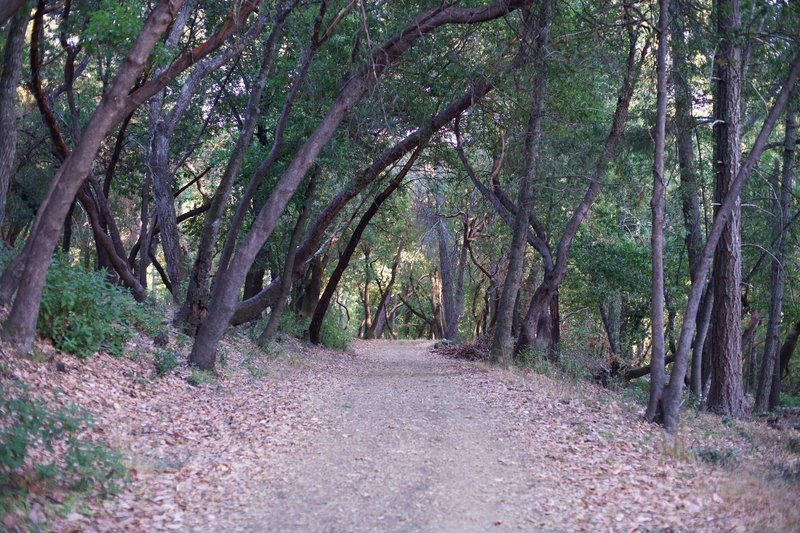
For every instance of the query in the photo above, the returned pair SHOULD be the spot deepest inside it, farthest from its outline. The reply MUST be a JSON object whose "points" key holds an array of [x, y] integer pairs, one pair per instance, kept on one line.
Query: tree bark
{"points": [[727, 394], [229, 281], [782, 202], [9, 8], [657, 203], [9, 79]]}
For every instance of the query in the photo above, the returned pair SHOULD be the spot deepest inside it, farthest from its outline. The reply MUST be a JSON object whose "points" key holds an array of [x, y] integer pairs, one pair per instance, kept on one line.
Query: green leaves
{"points": [[82, 312], [114, 24]]}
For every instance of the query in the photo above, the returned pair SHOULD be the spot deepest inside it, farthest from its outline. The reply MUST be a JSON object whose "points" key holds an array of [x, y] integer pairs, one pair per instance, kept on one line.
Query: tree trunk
{"points": [[787, 350], [379, 322], [446, 270], [9, 79], [247, 310], [657, 203], [543, 294], [194, 307], [228, 282], [288, 265], [727, 394], [535, 41], [20, 327], [782, 202], [9, 8]]}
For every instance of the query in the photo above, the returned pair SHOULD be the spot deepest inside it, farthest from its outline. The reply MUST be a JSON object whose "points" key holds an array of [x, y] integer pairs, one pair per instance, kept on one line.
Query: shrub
{"points": [[82, 312], [28, 423], [291, 324], [166, 361], [333, 336], [715, 456]]}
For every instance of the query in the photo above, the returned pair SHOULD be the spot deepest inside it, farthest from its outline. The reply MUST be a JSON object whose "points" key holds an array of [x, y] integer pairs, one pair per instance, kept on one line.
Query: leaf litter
{"points": [[578, 456]]}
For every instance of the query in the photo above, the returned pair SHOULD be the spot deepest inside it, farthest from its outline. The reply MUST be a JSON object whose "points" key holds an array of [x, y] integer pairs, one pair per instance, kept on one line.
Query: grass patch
{"points": [[166, 361]]}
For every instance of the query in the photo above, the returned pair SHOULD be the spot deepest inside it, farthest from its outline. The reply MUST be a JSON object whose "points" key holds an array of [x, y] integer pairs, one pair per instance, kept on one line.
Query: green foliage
{"points": [[114, 25], [637, 391], [788, 400], [28, 423], [333, 336], [166, 361], [82, 312], [291, 324]]}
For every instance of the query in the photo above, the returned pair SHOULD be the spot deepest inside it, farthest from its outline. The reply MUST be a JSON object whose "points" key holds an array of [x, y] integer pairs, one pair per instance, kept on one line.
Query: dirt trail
{"points": [[404, 448]]}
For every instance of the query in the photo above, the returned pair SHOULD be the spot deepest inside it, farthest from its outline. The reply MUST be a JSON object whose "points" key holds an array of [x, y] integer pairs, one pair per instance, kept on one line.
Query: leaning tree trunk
{"points": [[782, 202], [657, 204], [9, 79], [727, 394], [109, 113], [248, 310]]}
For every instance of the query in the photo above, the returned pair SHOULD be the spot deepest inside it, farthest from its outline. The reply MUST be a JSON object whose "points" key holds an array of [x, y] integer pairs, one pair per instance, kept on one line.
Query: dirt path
{"points": [[392, 437], [404, 448]]}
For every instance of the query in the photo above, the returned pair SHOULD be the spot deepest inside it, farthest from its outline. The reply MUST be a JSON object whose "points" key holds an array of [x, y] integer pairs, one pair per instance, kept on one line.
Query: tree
{"points": [[231, 277], [9, 78], [535, 38], [657, 232], [770, 374], [727, 392]]}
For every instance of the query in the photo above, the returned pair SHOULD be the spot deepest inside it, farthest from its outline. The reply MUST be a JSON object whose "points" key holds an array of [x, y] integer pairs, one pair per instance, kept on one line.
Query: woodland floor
{"points": [[392, 437]]}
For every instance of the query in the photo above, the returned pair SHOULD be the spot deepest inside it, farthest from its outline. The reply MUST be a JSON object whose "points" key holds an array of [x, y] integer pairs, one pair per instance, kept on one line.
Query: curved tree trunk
{"points": [[248, 310], [198, 294], [20, 327], [229, 281]]}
